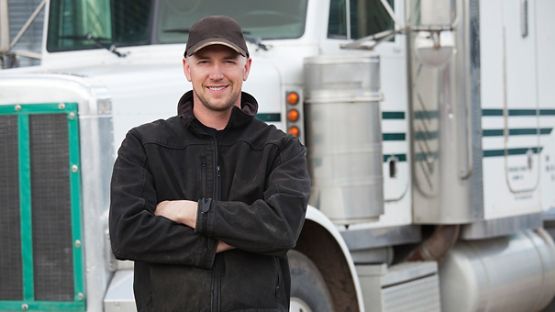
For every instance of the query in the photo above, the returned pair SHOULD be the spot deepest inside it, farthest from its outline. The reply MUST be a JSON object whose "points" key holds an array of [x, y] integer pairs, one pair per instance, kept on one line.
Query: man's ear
{"points": [[186, 69], [247, 69]]}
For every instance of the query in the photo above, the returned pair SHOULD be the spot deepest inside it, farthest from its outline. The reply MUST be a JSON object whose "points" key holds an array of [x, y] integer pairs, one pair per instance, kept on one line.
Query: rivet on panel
{"points": [[80, 296], [24, 307], [77, 244], [74, 168], [61, 106], [17, 108], [71, 115]]}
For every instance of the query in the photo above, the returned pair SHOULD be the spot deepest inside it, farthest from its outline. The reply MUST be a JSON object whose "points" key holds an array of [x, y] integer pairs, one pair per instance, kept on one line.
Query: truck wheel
{"points": [[309, 292]]}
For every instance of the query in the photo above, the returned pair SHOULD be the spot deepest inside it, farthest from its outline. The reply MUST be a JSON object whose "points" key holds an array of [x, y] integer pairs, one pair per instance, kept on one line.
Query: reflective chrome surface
{"points": [[505, 274], [344, 136], [410, 286], [119, 296], [502, 226], [364, 238], [446, 128]]}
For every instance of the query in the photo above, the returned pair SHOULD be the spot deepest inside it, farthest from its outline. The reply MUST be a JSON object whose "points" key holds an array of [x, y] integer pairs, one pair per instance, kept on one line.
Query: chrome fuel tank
{"points": [[344, 136], [505, 274]]}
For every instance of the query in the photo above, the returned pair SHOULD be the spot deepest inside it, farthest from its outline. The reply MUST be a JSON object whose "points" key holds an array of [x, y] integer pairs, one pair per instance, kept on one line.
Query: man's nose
{"points": [[216, 72]]}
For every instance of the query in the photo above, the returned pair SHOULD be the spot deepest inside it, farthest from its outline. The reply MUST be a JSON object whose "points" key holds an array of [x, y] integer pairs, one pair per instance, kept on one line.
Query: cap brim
{"points": [[205, 43]]}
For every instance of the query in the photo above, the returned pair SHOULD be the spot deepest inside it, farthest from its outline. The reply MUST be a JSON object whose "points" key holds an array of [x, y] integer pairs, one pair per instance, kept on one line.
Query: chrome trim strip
{"points": [[501, 227], [360, 239]]}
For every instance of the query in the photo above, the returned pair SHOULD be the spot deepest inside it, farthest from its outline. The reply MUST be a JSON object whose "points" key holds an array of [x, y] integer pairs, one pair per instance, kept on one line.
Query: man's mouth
{"points": [[216, 88]]}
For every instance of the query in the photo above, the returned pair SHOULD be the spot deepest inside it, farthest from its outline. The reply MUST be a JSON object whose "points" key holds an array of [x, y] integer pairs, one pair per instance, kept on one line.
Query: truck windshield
{"points": [[93, 24], [282, 19]]}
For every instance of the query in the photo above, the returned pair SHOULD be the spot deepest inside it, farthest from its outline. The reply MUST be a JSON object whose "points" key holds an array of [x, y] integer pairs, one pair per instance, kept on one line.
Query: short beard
{"points": [[216, 108]]}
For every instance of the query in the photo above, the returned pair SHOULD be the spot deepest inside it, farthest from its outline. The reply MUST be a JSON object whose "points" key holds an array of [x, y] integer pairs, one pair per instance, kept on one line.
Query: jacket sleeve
{"points": [[135, 232], [270, 225]]}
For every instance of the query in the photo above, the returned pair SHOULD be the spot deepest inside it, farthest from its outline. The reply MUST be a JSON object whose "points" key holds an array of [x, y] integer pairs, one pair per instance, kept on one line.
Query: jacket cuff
{"points": [[204, 211]]}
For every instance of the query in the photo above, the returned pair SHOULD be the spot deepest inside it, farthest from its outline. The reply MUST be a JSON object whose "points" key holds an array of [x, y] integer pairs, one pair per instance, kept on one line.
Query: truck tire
{"points": [[309, 292]]}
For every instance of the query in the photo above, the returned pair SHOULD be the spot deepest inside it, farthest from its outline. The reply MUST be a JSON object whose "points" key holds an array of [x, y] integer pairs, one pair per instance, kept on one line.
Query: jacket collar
{"points": [[239, 116]]}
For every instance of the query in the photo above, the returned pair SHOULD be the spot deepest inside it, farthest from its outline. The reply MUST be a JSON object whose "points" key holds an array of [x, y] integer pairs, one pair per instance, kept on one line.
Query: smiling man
{"points": [[207, 203]]}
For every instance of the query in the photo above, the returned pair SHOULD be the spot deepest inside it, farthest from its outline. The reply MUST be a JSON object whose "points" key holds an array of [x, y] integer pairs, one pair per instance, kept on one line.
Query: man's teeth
{"points": [[216, 88]]}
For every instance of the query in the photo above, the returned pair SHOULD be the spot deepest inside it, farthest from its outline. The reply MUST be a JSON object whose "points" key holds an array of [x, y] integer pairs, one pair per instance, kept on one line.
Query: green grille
{"points": [[51, 207], [41, 264], [11, 271]]}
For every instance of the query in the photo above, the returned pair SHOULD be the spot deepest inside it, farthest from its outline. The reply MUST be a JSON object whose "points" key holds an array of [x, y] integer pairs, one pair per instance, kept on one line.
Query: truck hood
{"points": [[143, 92]]}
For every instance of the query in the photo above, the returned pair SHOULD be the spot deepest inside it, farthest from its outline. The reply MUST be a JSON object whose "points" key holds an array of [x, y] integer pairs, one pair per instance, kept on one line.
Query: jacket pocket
{"points": [[250, 281], [279, 278], [180, 288]]}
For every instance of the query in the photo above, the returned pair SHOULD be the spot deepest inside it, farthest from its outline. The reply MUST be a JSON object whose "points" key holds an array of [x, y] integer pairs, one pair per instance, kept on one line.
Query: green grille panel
{"points": [[41, 258], [51, 207], [11, 271]]}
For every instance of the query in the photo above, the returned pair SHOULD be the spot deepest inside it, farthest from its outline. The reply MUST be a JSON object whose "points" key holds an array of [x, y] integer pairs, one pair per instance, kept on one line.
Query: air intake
{"points": [[41, 260]]}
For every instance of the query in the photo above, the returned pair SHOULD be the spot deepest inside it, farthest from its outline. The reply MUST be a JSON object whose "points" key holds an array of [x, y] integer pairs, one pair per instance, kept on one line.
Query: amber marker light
{"points": [[294, 131], [292, 98], [293, 115]]}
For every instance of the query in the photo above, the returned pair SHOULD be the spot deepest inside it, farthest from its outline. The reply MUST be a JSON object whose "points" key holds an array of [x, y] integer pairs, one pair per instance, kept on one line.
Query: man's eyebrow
{"points": [[200, 56], [232, 56]]}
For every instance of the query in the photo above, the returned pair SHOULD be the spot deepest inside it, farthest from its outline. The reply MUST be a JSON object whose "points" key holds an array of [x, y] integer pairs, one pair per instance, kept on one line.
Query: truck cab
{"points": [[458, 138]]}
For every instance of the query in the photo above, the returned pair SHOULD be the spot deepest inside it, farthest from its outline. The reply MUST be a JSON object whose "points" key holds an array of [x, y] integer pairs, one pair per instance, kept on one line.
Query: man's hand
{"points": [[179, 211], [184, 212], [221, 247]]}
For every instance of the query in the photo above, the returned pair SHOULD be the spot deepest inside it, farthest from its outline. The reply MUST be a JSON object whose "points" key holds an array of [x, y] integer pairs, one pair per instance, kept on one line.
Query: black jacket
{"points": [[252, 186]]}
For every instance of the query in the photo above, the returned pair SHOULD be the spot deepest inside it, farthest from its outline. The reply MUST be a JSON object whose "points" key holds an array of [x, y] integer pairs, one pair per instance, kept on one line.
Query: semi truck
{"points": [[428, 123]]}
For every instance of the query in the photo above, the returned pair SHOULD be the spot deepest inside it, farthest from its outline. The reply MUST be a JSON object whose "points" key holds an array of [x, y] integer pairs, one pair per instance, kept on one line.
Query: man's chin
{"points": [[220, 107]]}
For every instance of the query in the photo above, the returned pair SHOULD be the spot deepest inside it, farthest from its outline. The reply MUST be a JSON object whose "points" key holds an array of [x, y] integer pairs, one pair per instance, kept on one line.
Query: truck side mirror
{"points": [[433, 21]]}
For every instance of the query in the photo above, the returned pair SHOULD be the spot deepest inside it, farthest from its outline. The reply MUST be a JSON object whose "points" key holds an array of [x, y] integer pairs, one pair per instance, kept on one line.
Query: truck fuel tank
{"points": [[514, 273], [344, 136]]}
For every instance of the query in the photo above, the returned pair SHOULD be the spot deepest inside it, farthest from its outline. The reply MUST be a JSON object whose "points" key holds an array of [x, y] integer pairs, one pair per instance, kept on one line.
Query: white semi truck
{"points": [[429, 125]]}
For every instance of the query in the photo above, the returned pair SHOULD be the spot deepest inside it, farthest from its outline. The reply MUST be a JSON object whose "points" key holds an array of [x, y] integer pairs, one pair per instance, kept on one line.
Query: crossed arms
{"points": [[191, 233]]}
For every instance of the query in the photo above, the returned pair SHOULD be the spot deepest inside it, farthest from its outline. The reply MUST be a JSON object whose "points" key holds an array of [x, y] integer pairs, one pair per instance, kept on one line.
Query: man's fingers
{"points": [[160, 208]]}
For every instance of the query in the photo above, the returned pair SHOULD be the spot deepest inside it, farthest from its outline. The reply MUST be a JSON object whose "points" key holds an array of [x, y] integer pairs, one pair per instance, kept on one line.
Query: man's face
{"points": [[217, 74]]}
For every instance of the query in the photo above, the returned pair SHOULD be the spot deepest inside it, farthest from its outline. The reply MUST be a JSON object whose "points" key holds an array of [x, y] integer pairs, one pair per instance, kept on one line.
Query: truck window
{"points": [[337, 22], [365, 18], [90, 24], [284, 19], [369, 17]]}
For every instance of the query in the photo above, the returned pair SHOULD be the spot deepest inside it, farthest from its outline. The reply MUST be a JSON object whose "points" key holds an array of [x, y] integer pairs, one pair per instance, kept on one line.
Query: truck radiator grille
{"points": [[51, 207], [10, 243], [41, 265]]}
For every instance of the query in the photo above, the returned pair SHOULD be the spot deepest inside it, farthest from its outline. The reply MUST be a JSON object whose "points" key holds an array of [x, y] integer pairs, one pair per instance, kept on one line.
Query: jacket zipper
{"points": [[217, 192], [216, 280], [203, 166]]}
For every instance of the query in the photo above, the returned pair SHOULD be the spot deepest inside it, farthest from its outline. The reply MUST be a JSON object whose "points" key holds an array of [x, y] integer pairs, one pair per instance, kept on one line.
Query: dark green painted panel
{"points": [[511, 151], [522, 131], [393, 115], [519, 112], [394, 136], [400, 157], [269, 117]]}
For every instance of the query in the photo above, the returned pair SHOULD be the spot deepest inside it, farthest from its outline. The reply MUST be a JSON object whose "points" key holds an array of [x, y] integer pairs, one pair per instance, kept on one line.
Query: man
{"points": [[207, 203]]}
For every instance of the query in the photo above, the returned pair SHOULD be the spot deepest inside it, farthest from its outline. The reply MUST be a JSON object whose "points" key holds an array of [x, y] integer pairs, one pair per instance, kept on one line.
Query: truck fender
{"points": [[322, 243]]}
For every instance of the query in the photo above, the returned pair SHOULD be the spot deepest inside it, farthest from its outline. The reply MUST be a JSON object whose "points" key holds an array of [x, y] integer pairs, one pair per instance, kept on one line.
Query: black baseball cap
{"points": [[218, 29]]}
